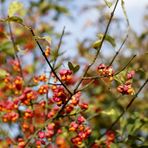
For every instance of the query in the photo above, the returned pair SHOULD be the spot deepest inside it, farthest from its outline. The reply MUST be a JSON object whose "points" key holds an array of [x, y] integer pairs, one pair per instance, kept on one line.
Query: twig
{"points": [[126, 65], [48, 62], [59, 45], [85, 86], [54, 83], [97, 77], [118, 50], [15, 53]]}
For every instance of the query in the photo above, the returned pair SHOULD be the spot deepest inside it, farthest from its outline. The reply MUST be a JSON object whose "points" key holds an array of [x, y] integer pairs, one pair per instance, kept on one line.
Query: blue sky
{"points": [[135, 10]]}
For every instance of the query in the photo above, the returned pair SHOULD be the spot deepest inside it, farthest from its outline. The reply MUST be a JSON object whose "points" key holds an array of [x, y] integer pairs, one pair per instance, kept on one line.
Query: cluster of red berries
{"points": [[43, 89], [14, 84], [75, 103], [66, 76], [82, 131], [40, 78], [15, 65], [10, 117], [48, 134], [105, 71], [9, 110], [27, 96], [7, 105], [59, 95], [110, 137], [126, 88]]}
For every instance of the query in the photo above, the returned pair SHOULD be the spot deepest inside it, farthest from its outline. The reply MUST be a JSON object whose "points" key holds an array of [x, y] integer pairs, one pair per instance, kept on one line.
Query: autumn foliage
{"points": [[50, 99]]}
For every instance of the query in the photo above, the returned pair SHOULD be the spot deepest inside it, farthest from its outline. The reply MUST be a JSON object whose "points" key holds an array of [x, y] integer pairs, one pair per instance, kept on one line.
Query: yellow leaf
{"points": [[110, 112], [16, 8]]}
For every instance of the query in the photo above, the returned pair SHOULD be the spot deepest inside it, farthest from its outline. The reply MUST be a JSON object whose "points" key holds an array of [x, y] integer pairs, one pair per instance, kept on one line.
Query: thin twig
{"points": [[118, 50], [126, 65], [97, 77], [59, 45], [15, 53], [86, 86], [54, 83]]}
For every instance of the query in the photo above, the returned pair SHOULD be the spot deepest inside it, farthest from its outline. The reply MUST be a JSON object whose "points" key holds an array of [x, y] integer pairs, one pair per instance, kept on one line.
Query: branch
{"points": [[126, 108], [118, 50], [97, 77], [15, 53], [89, 66], [48, 62], [59, 45], [126, 65], [98, 51]]}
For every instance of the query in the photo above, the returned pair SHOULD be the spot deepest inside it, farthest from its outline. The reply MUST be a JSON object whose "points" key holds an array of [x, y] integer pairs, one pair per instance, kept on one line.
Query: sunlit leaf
{"points": [[108, 38], [124, 11], [5, 46], [96, 44], [16, 8], [3, 73], [113, 145], [109, 112], [121, 77], [109, 4], [15, 19], [46, 38]]}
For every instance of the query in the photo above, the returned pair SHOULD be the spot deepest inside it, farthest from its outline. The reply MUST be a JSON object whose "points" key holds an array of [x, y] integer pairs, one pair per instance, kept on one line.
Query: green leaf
{"points": [[70, 65], [14, 19], [111, 40], [109, 112], [46, 38], [5, 46], [96, 44], [109, 4], [73, 68], [124, 11], [76, 68], [108, 38], [113, 145], [3, 73], [121, 77]]}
